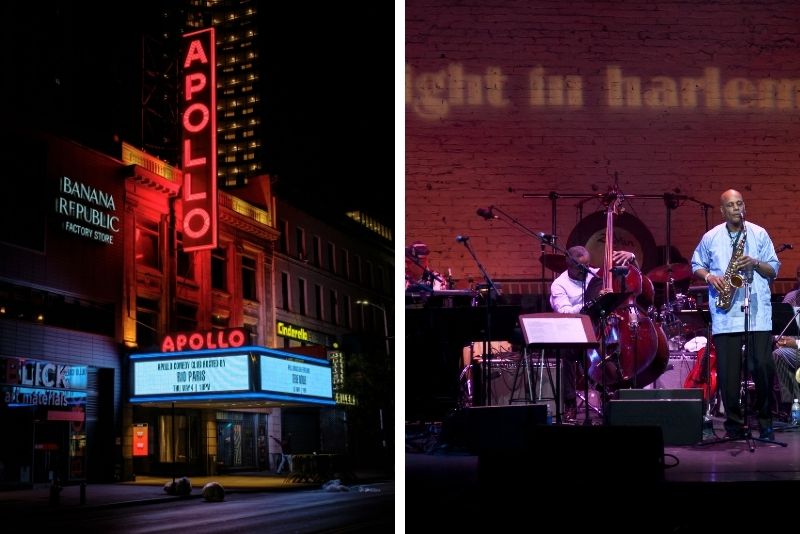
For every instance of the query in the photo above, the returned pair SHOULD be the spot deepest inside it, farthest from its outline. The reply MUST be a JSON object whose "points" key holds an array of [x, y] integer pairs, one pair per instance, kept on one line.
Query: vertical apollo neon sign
{"points": [[199, 126]]}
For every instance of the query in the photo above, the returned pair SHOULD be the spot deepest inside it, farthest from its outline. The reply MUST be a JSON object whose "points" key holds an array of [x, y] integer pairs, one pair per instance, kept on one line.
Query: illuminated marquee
{"points": [[198, 374], [199, 126], [298, 376], [247, 374], [216, 339]]}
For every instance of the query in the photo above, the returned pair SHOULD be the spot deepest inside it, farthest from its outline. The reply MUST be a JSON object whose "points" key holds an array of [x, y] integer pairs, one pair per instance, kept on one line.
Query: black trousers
{"points": [[760, 368]]}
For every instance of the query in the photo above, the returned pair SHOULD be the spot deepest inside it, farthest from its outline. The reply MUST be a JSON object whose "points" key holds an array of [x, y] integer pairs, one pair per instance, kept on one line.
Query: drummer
{"points": [[419, 275]]}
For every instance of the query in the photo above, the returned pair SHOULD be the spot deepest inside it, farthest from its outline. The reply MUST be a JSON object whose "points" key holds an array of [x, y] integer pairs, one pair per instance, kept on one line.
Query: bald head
{"points": [[581, 256], [577, 251], [731, 205], [731, 195]]}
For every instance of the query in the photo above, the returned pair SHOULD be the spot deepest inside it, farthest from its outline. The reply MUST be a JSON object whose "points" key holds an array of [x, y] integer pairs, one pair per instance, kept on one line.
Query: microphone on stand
{"points": [[487, 213], [462, 238], [546, 237]]}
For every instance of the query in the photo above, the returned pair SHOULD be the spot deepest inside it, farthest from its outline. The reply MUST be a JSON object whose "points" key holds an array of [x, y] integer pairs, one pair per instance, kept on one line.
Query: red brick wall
{"points": [[508, 98]]}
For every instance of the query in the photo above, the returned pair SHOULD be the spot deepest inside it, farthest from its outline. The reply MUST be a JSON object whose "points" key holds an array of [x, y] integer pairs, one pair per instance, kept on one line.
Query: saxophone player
{"points": [[734, 253]]}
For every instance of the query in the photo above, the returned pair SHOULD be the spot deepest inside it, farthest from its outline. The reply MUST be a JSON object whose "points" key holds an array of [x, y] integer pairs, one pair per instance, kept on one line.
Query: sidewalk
{"points": [[151, 490]]}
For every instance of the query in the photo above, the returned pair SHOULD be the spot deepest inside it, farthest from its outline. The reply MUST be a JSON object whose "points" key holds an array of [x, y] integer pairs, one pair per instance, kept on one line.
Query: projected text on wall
{"points": [[436, 94]]}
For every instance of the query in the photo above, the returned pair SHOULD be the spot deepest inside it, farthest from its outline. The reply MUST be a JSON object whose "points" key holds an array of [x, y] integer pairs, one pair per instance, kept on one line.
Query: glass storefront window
{"points": [[173, 439]]}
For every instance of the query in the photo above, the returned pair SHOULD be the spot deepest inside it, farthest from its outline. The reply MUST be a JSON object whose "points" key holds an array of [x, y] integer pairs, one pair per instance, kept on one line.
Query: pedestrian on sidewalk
{"points": [[285, 445]]}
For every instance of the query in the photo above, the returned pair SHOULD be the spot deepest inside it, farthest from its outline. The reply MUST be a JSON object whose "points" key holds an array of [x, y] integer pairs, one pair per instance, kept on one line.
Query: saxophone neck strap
{"points": [[735, 239]]}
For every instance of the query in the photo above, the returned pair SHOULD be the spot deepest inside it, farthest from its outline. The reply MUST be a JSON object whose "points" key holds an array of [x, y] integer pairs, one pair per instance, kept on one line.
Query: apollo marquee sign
{"points": [[199, 127], [246, 373]]}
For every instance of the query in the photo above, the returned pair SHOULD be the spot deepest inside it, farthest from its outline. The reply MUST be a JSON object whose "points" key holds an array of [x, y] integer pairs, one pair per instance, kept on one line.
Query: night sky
{"points": [[329, 97]]}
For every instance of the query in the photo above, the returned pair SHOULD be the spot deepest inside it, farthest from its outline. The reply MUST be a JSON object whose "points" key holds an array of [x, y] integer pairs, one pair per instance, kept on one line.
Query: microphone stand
{"points": [[747, 345], [549, 240], [704, 206], [486, 370]]}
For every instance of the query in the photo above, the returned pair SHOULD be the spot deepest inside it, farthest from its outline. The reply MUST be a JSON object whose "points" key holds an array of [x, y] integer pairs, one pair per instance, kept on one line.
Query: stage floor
{"points": [[720, 484]]}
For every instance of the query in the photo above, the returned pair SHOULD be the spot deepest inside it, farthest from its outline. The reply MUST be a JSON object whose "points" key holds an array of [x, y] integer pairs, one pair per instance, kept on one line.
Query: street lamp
{"points": [[385, 321]]}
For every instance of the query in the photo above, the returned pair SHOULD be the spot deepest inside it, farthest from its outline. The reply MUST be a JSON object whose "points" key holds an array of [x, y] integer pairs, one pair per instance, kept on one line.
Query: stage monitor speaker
{"points": [[681, 420], [651, 394], [612, 456]]}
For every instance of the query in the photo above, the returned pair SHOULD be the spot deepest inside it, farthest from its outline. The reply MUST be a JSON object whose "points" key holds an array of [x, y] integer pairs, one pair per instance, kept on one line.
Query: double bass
{"points": [[631, 340]]}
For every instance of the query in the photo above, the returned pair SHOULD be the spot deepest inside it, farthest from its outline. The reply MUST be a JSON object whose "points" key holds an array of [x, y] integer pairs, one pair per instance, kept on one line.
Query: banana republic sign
{"points": [[88, 212]]}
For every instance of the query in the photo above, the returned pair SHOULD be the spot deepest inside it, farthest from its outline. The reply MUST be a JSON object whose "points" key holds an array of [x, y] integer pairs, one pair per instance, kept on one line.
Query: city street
{"points": [[364, 508]]}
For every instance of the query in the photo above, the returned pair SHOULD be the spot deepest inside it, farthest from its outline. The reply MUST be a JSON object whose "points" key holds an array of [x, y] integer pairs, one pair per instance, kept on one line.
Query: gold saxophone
{"points": [[733, 280]]}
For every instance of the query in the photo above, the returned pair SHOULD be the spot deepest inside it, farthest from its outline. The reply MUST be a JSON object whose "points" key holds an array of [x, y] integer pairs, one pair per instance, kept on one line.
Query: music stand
{"points": [[785, 320], [557, 331]]}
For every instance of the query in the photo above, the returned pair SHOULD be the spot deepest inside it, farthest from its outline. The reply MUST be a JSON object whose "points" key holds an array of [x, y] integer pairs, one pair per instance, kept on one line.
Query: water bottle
{"points": [[550, 413], [796, 412]]}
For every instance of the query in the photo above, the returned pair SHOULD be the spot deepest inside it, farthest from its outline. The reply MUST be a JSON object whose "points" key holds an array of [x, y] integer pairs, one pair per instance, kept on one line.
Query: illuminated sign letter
{"points": [[194, 84], [199, 127], [217, 339]]}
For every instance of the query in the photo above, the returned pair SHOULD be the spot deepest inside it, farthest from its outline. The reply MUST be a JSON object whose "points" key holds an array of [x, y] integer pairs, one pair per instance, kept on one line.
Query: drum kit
{"points": [[680, 317]]}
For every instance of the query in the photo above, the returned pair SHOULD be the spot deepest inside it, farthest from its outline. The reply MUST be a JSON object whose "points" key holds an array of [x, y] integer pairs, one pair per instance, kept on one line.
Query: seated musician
{"points": [[419, 275], [567, 296], [787, 358]]}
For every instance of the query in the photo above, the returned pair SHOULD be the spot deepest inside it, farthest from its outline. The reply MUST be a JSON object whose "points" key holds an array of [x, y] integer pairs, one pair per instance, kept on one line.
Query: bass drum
{"points": [[630, 234]]}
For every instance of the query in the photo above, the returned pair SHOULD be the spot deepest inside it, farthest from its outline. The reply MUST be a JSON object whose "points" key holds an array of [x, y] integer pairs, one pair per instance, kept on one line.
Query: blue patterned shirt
{"points": [[713, 253]]}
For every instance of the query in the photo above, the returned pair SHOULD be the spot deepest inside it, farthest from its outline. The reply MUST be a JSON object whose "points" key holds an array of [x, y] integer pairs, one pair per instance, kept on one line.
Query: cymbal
{"points": [[554, 262], [680, 272]]}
